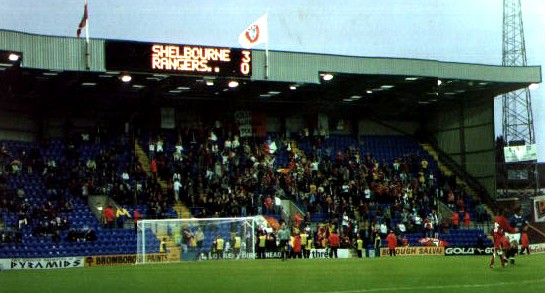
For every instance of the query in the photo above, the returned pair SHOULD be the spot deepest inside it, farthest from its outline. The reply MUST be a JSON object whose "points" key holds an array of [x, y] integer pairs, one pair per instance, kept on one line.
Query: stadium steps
{"points": [[181, 210], [143, 158], [174, 251], [433, 153], [445, 170]]}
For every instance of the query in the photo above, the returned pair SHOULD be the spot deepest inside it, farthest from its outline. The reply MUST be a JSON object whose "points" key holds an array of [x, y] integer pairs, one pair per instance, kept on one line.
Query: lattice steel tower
{"points": [[518, 121]]}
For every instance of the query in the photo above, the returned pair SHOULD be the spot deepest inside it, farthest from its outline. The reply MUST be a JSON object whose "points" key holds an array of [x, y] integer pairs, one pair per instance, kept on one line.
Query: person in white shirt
{"points": [[176, 157], [159, 145], [367, 193], [176, 176], [178, 150], [213, 137], [151, 148], [272, 147], [227, 144], [383, 229], [215, 148], [314, 167], [177, 186], [125, 176], [235, 143]]}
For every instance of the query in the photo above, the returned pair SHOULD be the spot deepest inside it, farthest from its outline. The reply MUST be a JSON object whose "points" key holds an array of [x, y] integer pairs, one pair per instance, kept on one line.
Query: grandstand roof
{"points": [[55, 67]]}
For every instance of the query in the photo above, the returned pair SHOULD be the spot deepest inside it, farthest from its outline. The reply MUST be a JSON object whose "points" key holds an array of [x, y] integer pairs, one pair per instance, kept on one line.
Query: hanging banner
{"points": [[539, 208], [323, 125], [522, 153], [244, 121], [537, 248], [517, 174]]}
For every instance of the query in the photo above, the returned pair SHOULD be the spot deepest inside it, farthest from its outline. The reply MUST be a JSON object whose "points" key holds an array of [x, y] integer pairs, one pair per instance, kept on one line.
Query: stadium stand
{"points": [[372, 180]]}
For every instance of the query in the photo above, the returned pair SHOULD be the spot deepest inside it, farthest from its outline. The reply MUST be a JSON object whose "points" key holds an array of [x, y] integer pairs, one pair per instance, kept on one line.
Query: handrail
{"points": [[290, 209], [460, 172], [444, 212]]}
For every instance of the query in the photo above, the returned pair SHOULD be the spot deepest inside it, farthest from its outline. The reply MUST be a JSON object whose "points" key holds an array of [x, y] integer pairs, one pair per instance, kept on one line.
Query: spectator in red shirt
{"points": [[467, 220], [109, 215], [333, 244], [392, 243], [296, 245], [153, 167], [455, 220], [137, 216]]}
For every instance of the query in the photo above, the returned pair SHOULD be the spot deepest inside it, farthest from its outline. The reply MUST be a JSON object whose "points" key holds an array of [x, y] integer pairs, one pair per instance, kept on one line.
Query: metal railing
{"points": [[459, 171]]}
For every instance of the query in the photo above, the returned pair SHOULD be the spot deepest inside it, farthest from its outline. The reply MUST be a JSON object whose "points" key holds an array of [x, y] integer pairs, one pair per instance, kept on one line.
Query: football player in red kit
{"points": [[501, 225]]}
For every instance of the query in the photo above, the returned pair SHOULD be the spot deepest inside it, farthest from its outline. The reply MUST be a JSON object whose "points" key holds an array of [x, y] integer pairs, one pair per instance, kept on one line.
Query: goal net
{"points": [[175, 240]]}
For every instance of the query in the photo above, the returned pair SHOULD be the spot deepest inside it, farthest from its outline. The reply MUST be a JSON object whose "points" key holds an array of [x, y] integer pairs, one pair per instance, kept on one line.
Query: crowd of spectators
{"points": [[223, 175], [81, 235], [219, 174], [58, 172], [40, 220]]}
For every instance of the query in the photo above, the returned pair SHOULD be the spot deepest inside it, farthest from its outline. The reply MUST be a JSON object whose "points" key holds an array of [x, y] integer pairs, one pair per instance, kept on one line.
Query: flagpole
{"points": [[87, 55], [267, 60], [267, 49]]}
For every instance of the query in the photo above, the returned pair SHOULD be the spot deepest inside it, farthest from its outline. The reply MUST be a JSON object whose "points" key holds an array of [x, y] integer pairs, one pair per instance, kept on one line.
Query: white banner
{"points": [[323, 125], [523, 153], [244, 121], [539, 208], [537, 248], [45, 263], [5, 264], [325, 253], [314, 254], [245, 130], [517, 174]]}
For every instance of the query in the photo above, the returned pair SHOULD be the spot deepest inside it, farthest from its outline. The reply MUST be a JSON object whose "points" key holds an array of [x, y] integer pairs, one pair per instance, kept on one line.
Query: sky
{"points": [[468, 31]]}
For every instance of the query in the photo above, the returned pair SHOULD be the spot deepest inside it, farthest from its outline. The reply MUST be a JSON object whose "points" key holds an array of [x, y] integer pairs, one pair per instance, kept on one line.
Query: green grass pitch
{"points": [[384, 274]]}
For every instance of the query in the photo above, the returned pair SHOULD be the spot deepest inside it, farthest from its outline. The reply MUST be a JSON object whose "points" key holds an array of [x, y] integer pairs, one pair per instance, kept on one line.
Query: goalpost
{"points": [[175, 240]]}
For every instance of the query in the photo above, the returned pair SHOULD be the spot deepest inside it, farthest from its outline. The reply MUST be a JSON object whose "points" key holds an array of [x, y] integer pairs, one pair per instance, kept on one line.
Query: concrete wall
{"points": [[16, 124], [465, 131]]}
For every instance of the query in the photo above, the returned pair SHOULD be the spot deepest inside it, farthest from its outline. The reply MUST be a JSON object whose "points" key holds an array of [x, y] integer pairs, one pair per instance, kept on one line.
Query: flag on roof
{"points": [[83, 21], [255, 34]]}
